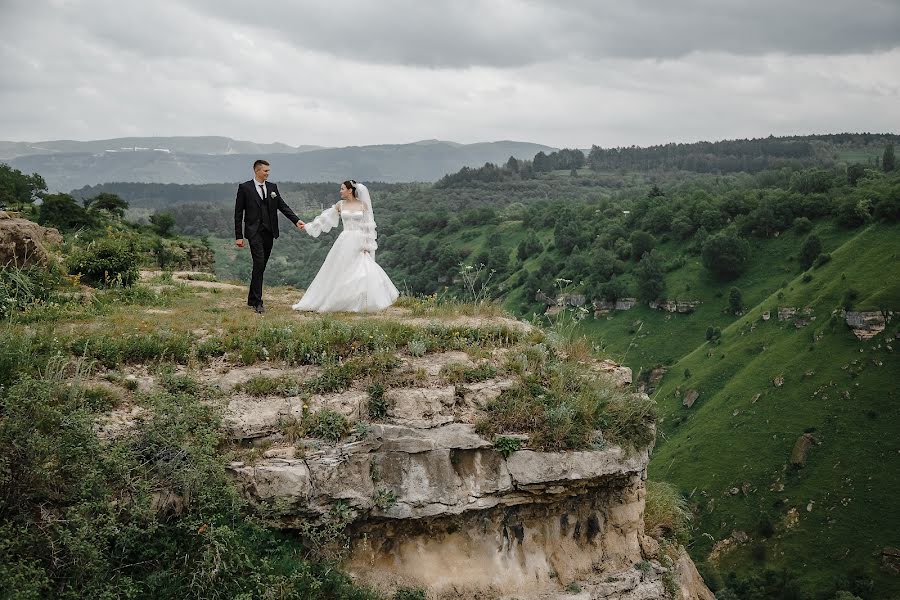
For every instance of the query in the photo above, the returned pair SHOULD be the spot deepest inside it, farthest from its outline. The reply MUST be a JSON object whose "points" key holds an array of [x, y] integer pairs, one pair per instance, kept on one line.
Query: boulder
{"points": [[801, 446], [865, 325], [690, 397], [24, 243]]}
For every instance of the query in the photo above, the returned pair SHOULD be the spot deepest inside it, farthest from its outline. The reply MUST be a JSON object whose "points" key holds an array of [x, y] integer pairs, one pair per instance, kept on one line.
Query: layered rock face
{"points": [[428, 502]]}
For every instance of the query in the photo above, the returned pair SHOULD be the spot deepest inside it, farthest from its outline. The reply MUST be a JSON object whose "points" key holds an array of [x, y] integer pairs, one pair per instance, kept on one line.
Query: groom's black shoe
{"points": [[259, 308]]}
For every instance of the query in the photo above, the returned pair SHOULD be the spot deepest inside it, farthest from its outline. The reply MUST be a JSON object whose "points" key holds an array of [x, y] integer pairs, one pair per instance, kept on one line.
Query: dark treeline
{"points": [[728, 156]]}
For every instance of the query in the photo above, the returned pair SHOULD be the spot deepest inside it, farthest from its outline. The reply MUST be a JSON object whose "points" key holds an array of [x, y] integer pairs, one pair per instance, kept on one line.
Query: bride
{"points": [[349, 279]]}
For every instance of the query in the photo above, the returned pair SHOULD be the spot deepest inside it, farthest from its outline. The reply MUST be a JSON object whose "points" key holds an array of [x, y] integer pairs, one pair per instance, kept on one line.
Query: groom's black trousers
{"points": [[260, 249]]}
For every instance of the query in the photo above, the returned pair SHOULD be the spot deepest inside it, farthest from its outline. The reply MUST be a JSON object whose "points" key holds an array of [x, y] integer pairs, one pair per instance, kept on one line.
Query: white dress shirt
{"points": [[261, 193]]}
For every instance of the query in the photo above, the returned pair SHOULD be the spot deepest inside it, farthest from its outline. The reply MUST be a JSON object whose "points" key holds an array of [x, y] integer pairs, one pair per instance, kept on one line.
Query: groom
{"points": [[257, 205]]}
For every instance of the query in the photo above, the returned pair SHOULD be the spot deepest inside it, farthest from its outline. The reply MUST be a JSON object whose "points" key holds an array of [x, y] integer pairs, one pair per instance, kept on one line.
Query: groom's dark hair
{"points": [[260, 162]]}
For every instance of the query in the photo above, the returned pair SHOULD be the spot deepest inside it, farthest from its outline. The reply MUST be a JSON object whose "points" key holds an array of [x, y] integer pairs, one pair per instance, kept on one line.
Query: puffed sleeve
{"points": [[324, 222]]}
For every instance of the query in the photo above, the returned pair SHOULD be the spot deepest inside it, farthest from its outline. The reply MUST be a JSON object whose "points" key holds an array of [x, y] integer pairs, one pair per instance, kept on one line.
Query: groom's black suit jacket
{"points": [[248, 210]]}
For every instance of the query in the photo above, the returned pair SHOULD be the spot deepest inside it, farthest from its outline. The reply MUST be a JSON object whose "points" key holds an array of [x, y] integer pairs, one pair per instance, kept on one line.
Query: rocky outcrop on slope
{"points": [[428, 501], [24, 243]]}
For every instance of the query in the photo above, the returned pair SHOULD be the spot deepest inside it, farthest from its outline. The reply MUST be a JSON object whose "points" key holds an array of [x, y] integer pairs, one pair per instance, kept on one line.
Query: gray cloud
{"points": [[519, 32], [346, 73]]}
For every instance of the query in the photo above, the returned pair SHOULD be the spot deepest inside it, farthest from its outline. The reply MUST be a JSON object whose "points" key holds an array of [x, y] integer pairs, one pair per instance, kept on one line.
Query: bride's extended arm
{"points": [[324, 222]]}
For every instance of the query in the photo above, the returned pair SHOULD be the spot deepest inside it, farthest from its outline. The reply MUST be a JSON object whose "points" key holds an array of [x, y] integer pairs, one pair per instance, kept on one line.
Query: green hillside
{"points": [[841, 390]]}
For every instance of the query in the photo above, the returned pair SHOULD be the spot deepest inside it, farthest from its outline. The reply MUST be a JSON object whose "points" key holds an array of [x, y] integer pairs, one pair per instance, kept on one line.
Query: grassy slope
{"points": [[664, 338], [841, 389]]}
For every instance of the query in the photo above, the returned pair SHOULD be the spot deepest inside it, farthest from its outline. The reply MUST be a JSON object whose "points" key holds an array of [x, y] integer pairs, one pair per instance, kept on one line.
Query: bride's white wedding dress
{"points": [[349, 279]]}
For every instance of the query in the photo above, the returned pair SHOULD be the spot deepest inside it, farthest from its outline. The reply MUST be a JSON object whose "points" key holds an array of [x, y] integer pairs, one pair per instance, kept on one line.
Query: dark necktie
{"points": [[262, 191]]}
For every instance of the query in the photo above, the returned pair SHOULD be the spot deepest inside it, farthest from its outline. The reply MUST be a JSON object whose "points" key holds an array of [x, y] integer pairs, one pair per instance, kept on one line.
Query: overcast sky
{"points": [[344, 72]]}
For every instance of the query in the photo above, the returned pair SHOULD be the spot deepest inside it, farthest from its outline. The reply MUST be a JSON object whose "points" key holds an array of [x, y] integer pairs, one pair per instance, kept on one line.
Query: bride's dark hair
{"points": [[351, 185]]}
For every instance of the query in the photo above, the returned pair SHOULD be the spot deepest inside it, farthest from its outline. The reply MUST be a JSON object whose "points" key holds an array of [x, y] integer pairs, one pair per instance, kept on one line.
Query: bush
{"points": [[507, 445], [802, 225], [105, 262], [725, 255], [888, 209], [821, 260], [735, 301], [810, 250], [377, 403], [83, 519], [21, 289], [327, 424], [666, 514], [649, 273], [713, 333]]}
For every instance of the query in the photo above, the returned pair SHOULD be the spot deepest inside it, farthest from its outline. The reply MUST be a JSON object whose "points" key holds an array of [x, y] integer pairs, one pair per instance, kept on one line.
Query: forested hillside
{"points": [[731, 296]]}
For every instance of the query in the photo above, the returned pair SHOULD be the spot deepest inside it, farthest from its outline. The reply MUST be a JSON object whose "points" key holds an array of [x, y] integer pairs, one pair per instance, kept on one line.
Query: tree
{"points": [[811, 248], [735, 301], [888, 162], [725, 255], [63, 212], [649, 273], [111, 203], [530, 246], [18, 188], [162, 223], [855, 172], [641, 243]]}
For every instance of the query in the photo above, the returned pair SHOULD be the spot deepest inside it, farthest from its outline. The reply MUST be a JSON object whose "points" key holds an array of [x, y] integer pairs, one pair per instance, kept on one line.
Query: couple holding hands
{"points": [[349, 279]]}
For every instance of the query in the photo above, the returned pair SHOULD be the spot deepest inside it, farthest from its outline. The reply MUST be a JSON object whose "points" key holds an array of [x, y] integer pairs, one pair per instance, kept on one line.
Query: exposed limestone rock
{"points": [[890, 560], [463, 520], [676, 306], [572, 300], [785, 313], [23, 243], [865, 325], [801, 446], [619, 375], [690, 397], [421, 407], [603, 306], [766, 315]]}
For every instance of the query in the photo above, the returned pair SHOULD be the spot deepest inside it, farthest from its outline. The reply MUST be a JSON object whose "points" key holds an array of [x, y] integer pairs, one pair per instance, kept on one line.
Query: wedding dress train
{"points": [[349, 279]]}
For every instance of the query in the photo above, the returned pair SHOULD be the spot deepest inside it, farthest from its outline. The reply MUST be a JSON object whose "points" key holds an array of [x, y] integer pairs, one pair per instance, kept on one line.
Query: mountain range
{"points": [[67, 164]]}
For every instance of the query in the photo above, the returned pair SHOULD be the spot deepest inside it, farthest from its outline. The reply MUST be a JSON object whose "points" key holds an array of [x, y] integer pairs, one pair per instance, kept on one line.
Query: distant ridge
{"points": [[67, 165], [183, 144]]}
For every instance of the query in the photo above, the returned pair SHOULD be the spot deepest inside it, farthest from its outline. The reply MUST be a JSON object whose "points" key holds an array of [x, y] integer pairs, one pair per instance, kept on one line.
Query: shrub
{"points": [[809, 250], [735, 301], [105, 262], [21, 289], [725, 255], [821, 260], [384, 498], [507, 445], [406, 593], [807, 277], [109, 536], [666, 514], [713, 333], [802, 225], [377, 403], [327, 424], [416, 348], [460, 373]]}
